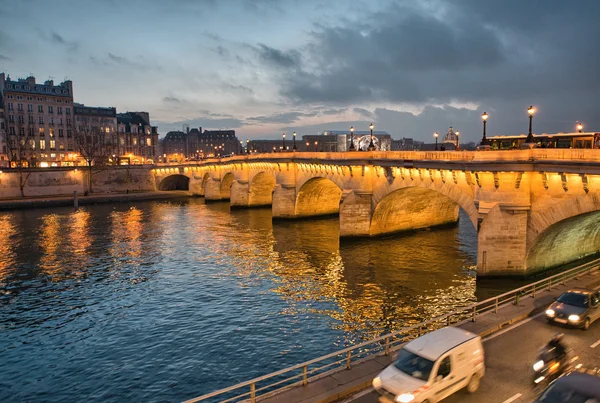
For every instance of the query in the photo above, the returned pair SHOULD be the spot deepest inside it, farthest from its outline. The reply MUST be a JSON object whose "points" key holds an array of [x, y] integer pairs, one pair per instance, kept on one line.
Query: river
{"points": [[164, 301]]}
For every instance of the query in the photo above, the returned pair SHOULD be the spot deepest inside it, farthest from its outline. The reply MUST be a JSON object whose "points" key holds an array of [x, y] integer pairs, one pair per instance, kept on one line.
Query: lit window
{"points": [[149, 142], [52, 145], [42, 144]]}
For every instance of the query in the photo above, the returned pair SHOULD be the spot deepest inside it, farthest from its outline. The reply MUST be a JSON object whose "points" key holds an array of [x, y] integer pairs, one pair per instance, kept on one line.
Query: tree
{"points": [[93, 144], [20, 144]]}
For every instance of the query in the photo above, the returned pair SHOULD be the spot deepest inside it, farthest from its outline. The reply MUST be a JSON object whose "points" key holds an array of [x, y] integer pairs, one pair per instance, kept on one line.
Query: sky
{"points": [[264, 67]]}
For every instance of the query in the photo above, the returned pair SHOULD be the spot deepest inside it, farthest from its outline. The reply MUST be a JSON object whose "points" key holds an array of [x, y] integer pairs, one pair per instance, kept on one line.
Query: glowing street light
{"points": [[530, 111], [315, 146], [283, 144], [484, 117], [371, 145], [436, 136], [457, 142], [579, 127], [307, 145], [294, 148], [352, 148]]}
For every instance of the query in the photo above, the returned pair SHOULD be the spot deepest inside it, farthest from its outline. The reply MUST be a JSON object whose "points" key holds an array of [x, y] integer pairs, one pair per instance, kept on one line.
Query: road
{"points": [[509, 357]]}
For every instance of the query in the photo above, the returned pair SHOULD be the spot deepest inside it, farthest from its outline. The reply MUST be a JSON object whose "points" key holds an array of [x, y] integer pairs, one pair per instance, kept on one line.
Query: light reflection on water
{"points": [[168, 300]]}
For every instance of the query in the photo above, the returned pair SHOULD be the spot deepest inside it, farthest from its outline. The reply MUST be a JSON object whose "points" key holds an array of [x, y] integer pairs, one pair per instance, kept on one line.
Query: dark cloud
{"points": [[4, 58], [500, 55], [173, 100], [238, 88], [284, 118], [279, 58], [221, 51], [365, 113], [139, 63], [331, 111], [59, 40]]}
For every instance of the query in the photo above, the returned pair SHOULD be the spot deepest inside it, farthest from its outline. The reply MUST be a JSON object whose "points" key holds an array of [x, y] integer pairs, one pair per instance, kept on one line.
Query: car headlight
{"points": [[573, 318], [377, 383], [538, 365], [405, 398], [550, 312]]}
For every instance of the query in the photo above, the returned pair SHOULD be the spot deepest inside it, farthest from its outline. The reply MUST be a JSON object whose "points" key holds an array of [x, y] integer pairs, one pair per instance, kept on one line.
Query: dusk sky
{"points": [[263, 67]]}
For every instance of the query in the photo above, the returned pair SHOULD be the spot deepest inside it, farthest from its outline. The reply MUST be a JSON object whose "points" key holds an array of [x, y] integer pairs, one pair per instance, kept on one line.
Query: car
{"points": [[433, 367], [574, 387], [578, 307]]}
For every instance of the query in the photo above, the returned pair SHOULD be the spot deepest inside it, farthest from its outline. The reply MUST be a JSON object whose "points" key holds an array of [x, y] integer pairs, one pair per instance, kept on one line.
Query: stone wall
{"points": [[64, 181]]}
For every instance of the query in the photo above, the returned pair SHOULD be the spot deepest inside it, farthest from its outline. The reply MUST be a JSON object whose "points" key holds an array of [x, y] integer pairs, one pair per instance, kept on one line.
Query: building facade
{"points": [[3, 146], [136, 139], [39, 122], [95, 133], [195, 144]]}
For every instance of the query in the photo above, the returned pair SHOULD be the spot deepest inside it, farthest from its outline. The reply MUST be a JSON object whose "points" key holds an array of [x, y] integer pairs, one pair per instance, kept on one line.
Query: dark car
{"points": [[577, 307], [575, 387]]}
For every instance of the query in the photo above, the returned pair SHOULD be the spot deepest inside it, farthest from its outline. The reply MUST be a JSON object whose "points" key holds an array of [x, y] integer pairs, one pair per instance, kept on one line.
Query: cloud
{"points": [[140, 63], [221, 51], [4, 58], [283, 118], [60, 40], [364, 113], [278, 58], [174, 100]]}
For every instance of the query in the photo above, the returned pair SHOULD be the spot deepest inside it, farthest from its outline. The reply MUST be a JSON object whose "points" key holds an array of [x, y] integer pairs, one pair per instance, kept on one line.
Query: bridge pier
{"points": [[239, 194], [355, 213], [212, 189], [284, 201]]}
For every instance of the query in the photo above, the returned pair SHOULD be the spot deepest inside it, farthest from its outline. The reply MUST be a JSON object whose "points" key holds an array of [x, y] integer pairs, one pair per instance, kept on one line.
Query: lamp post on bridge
{"points": [[579, 127], [283, 144], [530, 111], [484, 117], [457, 141], [371, 145], [316, 146], [294, 148], [307, 146], [436, 136], [352, 148]]}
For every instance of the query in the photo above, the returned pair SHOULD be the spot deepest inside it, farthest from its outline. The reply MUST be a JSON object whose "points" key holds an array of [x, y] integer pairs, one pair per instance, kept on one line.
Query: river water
{"points": [[164, 301]]}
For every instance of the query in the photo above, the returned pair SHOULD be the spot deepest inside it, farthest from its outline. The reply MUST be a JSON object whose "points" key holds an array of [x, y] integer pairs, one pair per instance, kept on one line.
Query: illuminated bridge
{"points": [[533, 209]]}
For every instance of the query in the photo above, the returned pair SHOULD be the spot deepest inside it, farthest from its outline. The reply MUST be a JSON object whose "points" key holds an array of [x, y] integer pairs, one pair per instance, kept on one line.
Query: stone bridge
{"points": [[532, 209]]}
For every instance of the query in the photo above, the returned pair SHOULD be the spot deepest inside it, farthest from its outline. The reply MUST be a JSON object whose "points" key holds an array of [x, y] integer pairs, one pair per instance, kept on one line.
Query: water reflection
{"points": [[7, 234]]}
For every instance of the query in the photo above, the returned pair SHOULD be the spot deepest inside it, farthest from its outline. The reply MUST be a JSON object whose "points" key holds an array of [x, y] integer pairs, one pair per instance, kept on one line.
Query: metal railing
{"points": [[302, 374]]}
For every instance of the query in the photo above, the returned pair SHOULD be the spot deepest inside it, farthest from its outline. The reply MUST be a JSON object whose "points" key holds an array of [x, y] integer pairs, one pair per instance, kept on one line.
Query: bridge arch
{"points": [[413, 207], [567, 231], [318, 196], [226, 183], [261, 189], [174, 182]]}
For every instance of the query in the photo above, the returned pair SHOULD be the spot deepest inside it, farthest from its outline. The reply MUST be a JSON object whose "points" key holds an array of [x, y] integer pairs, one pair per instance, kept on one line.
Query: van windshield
{"points": [[414, 365]]}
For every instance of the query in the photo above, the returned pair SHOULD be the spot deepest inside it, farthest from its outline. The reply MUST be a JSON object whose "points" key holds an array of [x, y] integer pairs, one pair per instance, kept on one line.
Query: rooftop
{"points": [[28, 85], [434, 344]]}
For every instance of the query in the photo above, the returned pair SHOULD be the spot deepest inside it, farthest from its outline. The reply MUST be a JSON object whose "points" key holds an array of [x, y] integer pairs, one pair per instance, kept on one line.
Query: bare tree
{"points": [[93, 144], [20, 144]]}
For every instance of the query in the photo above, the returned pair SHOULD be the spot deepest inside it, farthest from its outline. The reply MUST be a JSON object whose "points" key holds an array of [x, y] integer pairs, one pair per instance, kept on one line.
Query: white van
{"points": [[433, 367]]}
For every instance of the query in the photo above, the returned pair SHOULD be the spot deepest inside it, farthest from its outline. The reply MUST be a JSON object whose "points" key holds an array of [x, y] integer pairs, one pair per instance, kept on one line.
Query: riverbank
{"points": [[82, 200]]}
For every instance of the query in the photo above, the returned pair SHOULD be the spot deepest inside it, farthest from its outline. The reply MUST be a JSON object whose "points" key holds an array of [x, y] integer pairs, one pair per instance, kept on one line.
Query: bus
{"points": [[547, 140]]}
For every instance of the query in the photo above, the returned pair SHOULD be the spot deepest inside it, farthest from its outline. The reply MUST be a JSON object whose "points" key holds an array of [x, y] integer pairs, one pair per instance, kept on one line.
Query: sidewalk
{"points": [[344, 383], [94, 198]]}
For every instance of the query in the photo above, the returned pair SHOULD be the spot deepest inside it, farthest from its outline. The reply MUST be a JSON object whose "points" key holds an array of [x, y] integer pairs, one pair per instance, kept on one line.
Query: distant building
{"points": [[362, 138], [195, 144], [96, 132], [405, 144], [137, 139], [3, 138], [39, 122]]}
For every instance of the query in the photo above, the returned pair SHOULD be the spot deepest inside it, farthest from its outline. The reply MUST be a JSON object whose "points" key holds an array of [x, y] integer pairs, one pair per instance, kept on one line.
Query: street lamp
{"points": [[484, 117], [315, 146], [352, 148], [294, 147], [283, 136], [579, 127], [436, 136], [457, 142], [307, 145], [530, 111], [274, 148], [371, 145]]}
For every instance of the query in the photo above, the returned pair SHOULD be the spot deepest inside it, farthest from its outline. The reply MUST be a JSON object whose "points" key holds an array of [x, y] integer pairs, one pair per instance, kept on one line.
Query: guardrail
{"points": [[302, 374]]}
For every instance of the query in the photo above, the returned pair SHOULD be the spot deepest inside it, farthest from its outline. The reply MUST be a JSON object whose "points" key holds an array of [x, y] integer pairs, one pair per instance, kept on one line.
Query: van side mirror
{"points": [[439, 378]]}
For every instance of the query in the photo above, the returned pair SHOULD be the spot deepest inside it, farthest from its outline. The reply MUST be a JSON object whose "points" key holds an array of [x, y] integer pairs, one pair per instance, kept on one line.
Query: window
{"points": [[30, 119], [50, 109], [52, 155], [52, 145], [42, 131], [52, 120], [445, 368], [41, 120], [2, 125], [30, 98], [69, 133], [60, 133], [59, 110], [20, 107], [22, 131], [68, 111], [29, 108], [149, 142], [42, 144], [60, 121], [31, 131], [70, 146], [40, 109], [51, 132], [414, 365], [68, 121], [135, 141], [11, 118], [122, 141], [32, 144], [61, 146], [21, 119]]}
